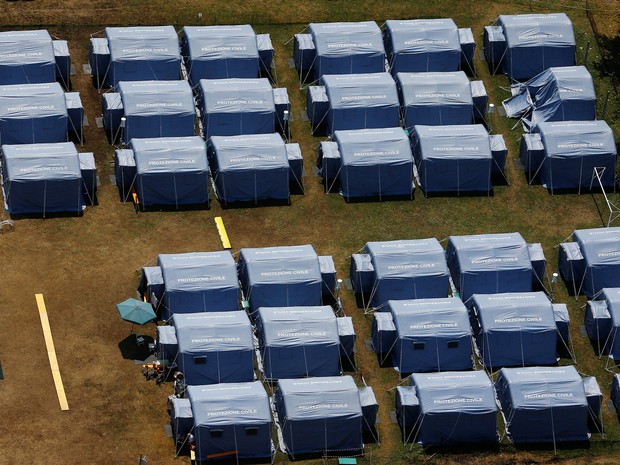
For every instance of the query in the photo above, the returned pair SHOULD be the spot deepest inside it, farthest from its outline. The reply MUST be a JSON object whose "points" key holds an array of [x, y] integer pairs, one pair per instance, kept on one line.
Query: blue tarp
{"points": [[375, 163], [453, 158], [199, 282], [543, 404], [361, 101], [231, 420], [535, 42], [219, 52], [489, 264], [280, 276], [215, 347], [232, 107], [455, 408], [514, 329], [143, 53], [26, 57], [320, 415], [419, 45], [32, 114], [157, 109], [171, 171], [42, 178], [435, 99], [347, 48], [600, 248], [249, 168], [298, 342]]}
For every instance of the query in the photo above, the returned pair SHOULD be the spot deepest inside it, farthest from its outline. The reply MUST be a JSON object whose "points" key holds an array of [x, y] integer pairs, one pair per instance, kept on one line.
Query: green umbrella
{"points": [[136, 311]]}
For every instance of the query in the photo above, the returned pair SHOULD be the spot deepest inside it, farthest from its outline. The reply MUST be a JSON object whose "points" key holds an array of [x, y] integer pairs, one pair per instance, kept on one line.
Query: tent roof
{"points": [[237, 95], [19, 48], [599, 246], [577, 138], [293, 326], [143, 42], [32, 101], [612, 297], [146, 98], [407, 258], [446, 317], [346, 38], [360, 90], [169, 154], [563, 83], [435, 88], [423, 35], [270, 265], [198, 271], [213, 331], [221, 42], [521, 311], [506, 251], [373, 146], [33, 162], [537, 29], [250, 152], [457, 141]]}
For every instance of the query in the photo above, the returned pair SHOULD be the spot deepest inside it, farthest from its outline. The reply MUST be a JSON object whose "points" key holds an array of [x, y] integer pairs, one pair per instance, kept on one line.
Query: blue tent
{"points": [[361, 101], [543, 404], [232, 107], [124, 172], [320, 415], [249, 168], [514, 329], [347, 48], [143, 53], [572, 151], [199, 282], [280, 276], [419, 45], [615, 393], [215, 347], [181, 422], [42, 178], [602, 322], [231, 421], [298, 342], [219, 52], [171, 171], [435, 99], [454, 408], [535, 42], [157, 109], [407, 269], [453, 158], [33, 113], [375, 163], [26, 57], [431, 335], [489, 264], [167, 343], [99, 60], [600, 248]]}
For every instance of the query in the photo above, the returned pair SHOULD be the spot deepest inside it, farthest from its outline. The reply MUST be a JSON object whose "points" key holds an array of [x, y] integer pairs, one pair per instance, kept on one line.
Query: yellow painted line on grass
{"points": [[51, 353], [222, 230]]}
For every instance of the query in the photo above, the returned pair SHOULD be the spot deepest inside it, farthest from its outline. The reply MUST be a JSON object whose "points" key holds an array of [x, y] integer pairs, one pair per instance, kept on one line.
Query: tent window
{"points": [[418, 346], [453, 344], [251, 431], [200, 360], [216, 433]]}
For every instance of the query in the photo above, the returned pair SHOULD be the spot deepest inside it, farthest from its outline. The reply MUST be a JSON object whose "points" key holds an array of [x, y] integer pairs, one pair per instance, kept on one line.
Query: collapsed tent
{"points": [[33, 113], [198, 282], [214, 347], [171, 171], [42, 178], [298, 342], [489, 264], [602, 322], [453, 158], [26, 57], [514, 329], [231, 421], [249, 168], [524, 45], [543, 404]]}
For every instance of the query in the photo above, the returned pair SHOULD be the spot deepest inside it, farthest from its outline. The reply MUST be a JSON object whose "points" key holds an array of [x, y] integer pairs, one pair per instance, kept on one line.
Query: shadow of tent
{"points": [[131, 350]]}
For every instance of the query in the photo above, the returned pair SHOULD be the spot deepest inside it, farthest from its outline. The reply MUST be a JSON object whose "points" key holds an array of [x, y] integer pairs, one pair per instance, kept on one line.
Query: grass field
{"points": [[85, 265]]}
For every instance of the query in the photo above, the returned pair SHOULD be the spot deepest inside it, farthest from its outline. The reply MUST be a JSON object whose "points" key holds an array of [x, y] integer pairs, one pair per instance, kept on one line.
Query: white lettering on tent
{"points": [[609, 254], [31, 107], [418, 22], [224, 48], [159, 104], [254, 158], [580, 145], [438, 95], [247, 139], [240, 101], [342, 25], [277, 251], [570, 90], [171, 162], [304, 383], [195, 257], [540, 372], [494, 260], [427, 303], [463, 376], [460, 400], [405, 244], [513, 297], [549, 395], [322, 406], [21, 55], [540, 36], [198, 279], [208, 340], [350, 98], [411, 266], [211, 316], [524, 319], [225, 388], [433, 326], [288, 312], [145, 50], [44, 168], [232, 412], [457, 149], [485, 238], [284, 273], [350, 45], [303, 334], [20, 34], [377, 153], [426, 42]]}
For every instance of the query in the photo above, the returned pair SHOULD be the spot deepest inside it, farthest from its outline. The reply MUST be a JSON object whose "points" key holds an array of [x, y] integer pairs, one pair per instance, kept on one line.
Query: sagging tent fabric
{"points": [[171, 171], [42, 178], [199, 282], [143, 53], [231, 420], [455, 408], [26, 57], [284, 276], [535, 42], [347, 48], [33, 113], [232, 107], [407, 269], [489, 264], [219, 52], [602, 321], [431, 335], [420, 45], [249, 167], [215, 347], [320, 415], [514, 329], [573, 150], [298, 342], [375, 163], [157, 109], [435, 99], [600, 248], [543, 404], [453, 158], [361, 101]]}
